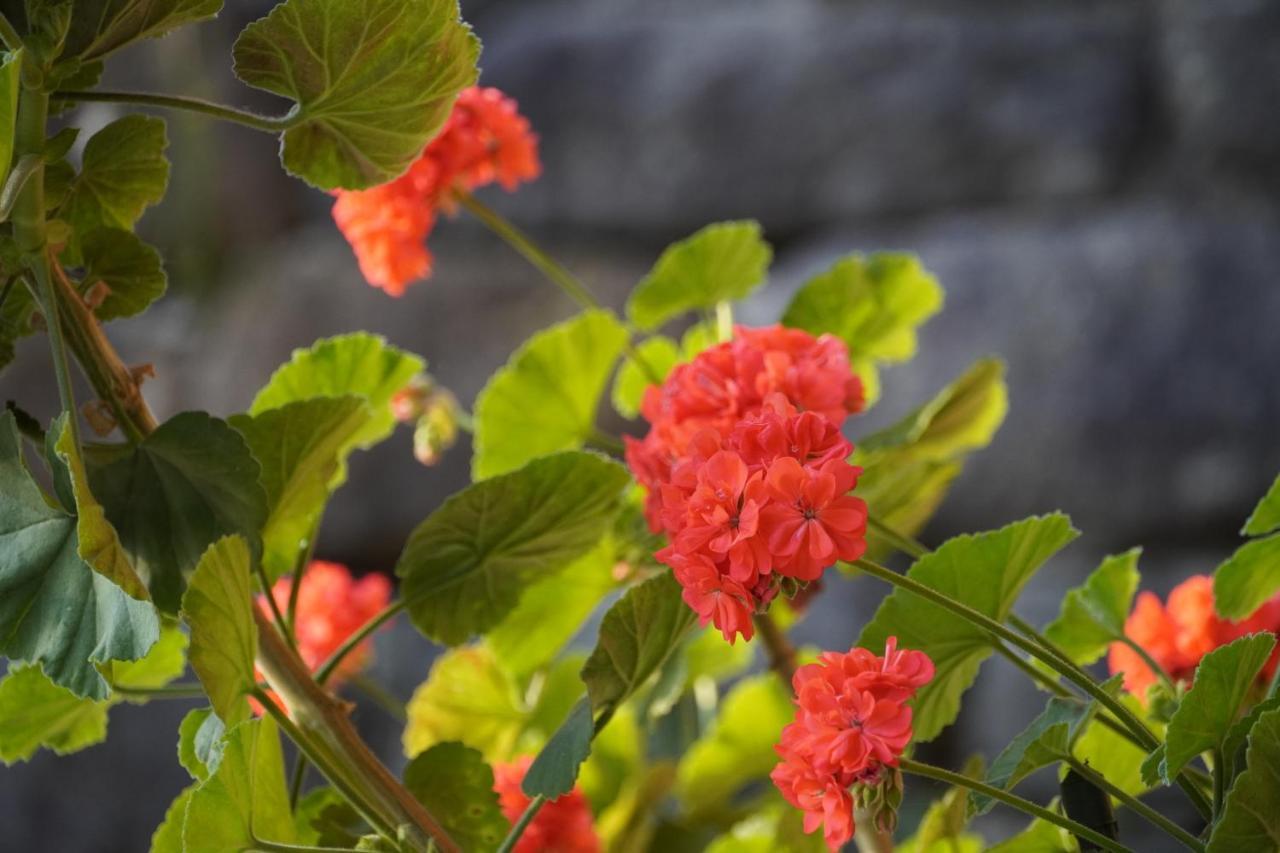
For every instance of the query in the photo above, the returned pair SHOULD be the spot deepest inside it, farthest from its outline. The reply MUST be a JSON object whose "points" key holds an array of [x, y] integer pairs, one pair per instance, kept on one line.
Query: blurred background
{"points": [[1096, 185]]}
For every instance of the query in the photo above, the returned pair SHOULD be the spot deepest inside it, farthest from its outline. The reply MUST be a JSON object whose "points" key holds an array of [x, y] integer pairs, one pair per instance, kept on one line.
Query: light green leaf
{"points": [[54, 609], [637, 636], [723, 261], [1092, 615], [35, 713], [738, 747], [188, 483], [1113, 755], [358, 364], [1248, 578], [659, 354], [874, 304], [526, 639], [466, 566], [102, 27], [775, 827], [555, 770], [168, 836], [302, 448], [200, 741], [707, 655], [245, 799], [1265, 517], [10, 85], [468, 698], [166, 661], [218, 606], [1040, 836], [943, 829], [546, 396], [124, 171], [453, 782], [128, 266], [985, 571], [1250, 823], [374, 81], [1046, 741], [1205, 716]]}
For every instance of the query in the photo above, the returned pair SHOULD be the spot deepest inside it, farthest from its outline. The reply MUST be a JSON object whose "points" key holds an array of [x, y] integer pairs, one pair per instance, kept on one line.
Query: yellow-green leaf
{"points": [[468, 698], [218, 606]]}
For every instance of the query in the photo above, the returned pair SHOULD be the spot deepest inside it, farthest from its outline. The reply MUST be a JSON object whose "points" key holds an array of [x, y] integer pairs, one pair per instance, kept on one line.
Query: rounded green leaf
{"points": [[218, 607], [467, 697], [659, 354], [102, 27], [130, 269], [1092, 615], [453, 782], [35, 713], [1248, 578], [1250, 823]]}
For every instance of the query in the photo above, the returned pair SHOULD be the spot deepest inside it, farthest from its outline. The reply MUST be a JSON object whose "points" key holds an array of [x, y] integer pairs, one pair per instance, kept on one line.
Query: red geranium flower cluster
{"points": [[1179, 635], [484, 140], [852, 722], [563, 825], [747, 472]]}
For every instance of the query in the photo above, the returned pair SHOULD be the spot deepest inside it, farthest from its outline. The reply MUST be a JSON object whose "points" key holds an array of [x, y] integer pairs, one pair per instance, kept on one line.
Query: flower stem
{"points": [[9, 34], [1136, 805], [281, 625], [781, 653], [1219, 781], [518, 828], [269, 124], [900, 541], [1150, 662], [929, 771], [170, 691], [326, 670], [300, 565], [262, 846]]}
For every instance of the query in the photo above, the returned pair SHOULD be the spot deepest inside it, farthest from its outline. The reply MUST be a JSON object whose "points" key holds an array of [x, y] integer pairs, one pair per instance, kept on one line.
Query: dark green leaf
{"points": [[15, 316], [1245, 581], [466, 566], [468, 697], [873, 304], [101, 27], [373, 81], [128, 266], [219, 606], [546, 396], [324, 818], [1250, 823], [190, 482], [54, 609], [1265, 517], [723, 261], [1046, 741], [659, 354], [637, 636], [35, 713], [1205, 715], [985, 571], [1087, 804], [245, 799], [456, 786], [1092, 615], [555, 770]]}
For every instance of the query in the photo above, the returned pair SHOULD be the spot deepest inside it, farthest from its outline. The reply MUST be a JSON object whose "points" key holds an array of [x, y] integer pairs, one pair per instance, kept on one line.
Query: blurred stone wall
{"points": [[1095, 183]]}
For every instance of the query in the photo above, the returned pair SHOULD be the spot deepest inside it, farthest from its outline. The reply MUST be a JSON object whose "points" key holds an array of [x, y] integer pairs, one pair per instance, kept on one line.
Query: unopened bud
{"points": [[409, 403], [99, 416], [437, 428]]}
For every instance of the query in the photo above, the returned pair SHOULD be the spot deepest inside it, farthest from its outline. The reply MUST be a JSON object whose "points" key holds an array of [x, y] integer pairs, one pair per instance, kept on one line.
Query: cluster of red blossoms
{"points": [[747, 472], [484, 140], [563, 825], [1179, 635], [852, 723]]}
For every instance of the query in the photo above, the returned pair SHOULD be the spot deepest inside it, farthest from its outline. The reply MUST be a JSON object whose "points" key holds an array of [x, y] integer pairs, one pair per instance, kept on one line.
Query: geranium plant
{"points": [[135, 548]]}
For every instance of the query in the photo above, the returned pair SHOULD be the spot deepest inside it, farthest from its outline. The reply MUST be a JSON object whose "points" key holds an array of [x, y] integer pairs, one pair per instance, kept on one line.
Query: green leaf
{"points": [[555, 770], [190, 482], [128, 266], [1046, 741], [1113, 755], [168, 836], [775, 827], [358, 364], [219, 606], [707, 655], [943, 827], [1250, 823], [324, 818], [124, 171], [874, 304], [102, 27], [1248, 578], [245, 799], [659, 354], [468, 698], [166, 661], [526, 639], [466, 566], [302, 448], [723, 261], [985, 571], [374, 80], [546, 396], [1092, 615], [1040, 836], [200, 739], [637, 636], [35, 713], [1222, 683], [738, 747], [15, 317], [54, 609], [10, 85], [453, 782], [1265, 517]]}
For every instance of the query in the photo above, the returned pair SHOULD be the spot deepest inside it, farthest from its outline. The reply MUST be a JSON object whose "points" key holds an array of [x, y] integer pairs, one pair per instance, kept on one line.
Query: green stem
{"points": [[1219, 781], [940, 774], [518, 828], [26, 166], [724, 320], [1151, 663], [380, 696], [1137, 806], [326, 670], [603, 441], [9, 34], [295, 783], [262, 846], [171, 691], [281, 625], [900, 541], [192, 105], [300, 566]]}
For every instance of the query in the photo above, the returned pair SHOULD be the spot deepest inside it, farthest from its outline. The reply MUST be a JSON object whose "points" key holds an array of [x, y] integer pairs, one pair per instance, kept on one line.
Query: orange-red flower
{"points": [[852, 722], [563, 825], [1177, 636], [484, 140]]}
